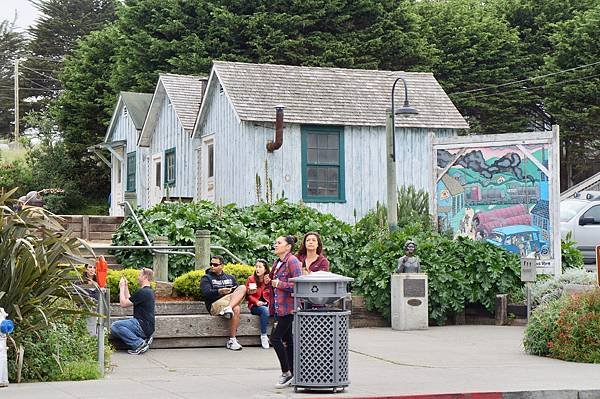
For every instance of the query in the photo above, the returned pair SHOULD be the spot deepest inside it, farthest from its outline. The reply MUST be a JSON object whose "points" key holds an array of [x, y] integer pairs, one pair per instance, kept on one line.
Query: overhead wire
{"points": [[526, 79]]}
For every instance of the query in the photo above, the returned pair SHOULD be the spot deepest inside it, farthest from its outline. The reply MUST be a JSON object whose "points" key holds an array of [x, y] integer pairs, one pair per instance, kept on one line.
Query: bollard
{"points": [[161, 260], [6, 327], [202, 246]]}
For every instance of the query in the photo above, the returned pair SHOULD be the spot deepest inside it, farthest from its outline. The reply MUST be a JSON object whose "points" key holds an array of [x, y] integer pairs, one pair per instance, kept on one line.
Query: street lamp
{"points": [[392, 194]]}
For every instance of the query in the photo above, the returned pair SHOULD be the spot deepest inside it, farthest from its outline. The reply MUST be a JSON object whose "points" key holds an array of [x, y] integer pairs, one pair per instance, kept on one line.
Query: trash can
{"points": [[321, 326]]}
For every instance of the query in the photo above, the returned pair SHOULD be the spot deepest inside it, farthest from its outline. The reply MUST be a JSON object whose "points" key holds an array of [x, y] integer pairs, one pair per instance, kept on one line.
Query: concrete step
{"points": [[193, 327]]}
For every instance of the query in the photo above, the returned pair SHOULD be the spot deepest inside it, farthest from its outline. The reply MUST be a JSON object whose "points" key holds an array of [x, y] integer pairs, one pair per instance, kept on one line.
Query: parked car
{"points": [[521, 239], [581, 217]]}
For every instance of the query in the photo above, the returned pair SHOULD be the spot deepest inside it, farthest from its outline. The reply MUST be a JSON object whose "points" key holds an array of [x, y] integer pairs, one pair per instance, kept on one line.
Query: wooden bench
{"points": [[189, 325]]}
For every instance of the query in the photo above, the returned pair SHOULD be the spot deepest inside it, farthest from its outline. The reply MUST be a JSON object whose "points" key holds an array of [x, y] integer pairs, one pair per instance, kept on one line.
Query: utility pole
{"points": [[17, 99]]}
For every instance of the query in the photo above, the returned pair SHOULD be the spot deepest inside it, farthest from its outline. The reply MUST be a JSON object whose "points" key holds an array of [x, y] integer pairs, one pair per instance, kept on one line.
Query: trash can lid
{"points": [[321, 276]]}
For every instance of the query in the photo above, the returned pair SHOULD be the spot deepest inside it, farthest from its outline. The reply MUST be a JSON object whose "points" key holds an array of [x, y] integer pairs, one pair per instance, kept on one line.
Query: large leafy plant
{"points": [[37, 256]]}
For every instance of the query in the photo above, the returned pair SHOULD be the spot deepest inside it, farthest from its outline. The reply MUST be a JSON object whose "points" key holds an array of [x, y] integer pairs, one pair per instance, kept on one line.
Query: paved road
{"points": [[383, 362]]}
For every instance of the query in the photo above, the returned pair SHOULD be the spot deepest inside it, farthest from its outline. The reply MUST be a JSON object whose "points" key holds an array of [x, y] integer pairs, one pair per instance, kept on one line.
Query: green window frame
{"points": [[323, 177], [170, 167], [131, 157]]}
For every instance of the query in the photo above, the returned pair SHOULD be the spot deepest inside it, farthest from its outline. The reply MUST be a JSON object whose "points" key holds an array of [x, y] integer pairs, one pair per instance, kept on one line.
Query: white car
{"points": [[581, 216]]}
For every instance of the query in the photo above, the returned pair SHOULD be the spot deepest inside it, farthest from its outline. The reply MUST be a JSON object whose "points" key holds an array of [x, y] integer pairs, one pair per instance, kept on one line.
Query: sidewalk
{"points": [[383, 363]]}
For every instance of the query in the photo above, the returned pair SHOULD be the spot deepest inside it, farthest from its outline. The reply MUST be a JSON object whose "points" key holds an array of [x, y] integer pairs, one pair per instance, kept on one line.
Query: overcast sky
{"points": [[26, 13]]}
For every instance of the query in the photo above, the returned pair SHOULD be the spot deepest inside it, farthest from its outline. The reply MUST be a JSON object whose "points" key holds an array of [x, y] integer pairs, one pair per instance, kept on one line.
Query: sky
{"points": [[26, 12]]}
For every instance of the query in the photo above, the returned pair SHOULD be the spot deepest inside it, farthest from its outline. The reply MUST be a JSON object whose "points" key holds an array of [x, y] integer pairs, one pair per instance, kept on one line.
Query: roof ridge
{"points": [[200, 77], [320, 67]]}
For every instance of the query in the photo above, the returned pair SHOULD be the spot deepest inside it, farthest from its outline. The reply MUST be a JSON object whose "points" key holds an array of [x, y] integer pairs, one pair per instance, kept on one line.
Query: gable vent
{"points": [[221, 91]]}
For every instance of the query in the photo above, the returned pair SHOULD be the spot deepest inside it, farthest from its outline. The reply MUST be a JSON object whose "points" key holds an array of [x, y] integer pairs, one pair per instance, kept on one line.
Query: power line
{"points": [[526, 79], [537, 87], [41, 74]]}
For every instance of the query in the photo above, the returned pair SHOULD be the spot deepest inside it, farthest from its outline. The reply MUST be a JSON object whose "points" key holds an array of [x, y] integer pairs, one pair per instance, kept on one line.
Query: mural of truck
{"points": [[485, 222], [522, 240]]}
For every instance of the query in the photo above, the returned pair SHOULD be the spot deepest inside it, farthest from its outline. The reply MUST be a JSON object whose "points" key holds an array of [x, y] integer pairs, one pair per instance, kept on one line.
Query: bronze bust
{"points": [[409, 263]]}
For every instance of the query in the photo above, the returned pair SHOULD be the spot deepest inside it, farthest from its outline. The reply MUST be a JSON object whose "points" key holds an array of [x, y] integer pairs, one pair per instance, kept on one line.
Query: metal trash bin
{"points": [[321, 331]]}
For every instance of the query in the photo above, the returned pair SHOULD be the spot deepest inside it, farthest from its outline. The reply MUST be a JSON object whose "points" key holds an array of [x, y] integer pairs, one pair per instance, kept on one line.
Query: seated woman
{"points": [[87, 284], [311, 255], [258, 295]]}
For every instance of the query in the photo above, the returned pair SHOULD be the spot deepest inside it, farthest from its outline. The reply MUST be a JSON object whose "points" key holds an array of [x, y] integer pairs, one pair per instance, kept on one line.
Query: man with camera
{"points": [[223, 296]]}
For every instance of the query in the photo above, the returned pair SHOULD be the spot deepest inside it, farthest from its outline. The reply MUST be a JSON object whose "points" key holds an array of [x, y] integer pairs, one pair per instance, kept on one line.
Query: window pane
{"points": [[312, 140], [328, 156], [312, 156], [323, 139], [211, 162], [333, 141]]}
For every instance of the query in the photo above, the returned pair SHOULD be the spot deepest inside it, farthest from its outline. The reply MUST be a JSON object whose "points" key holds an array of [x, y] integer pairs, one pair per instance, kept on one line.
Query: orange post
{"points": [[101, 271], [598, 263]]}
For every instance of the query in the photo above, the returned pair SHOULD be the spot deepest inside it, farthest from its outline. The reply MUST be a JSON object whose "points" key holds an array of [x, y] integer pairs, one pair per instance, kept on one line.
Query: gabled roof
{"points": [[137, 105], [332, 96], [541, 209], [185, 95]]}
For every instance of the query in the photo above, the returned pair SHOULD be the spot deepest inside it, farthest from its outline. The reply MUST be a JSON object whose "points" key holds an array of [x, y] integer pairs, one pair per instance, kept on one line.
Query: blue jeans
{"points": [[129, 331], [263, 312]]}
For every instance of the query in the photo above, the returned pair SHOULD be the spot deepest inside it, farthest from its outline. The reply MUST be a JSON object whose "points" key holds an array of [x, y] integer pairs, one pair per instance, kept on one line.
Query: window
{"points": [[593, 212], [323, 164], [211, 160], [131, 171], [170, 167]]}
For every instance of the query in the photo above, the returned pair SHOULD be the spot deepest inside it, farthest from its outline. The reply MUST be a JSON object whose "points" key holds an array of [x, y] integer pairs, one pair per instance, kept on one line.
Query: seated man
{"points": [[223, 296], [137, 331]]}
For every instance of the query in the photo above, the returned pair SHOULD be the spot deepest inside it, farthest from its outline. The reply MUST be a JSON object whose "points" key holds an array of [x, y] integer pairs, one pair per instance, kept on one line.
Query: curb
{"points": [[554, 394]]}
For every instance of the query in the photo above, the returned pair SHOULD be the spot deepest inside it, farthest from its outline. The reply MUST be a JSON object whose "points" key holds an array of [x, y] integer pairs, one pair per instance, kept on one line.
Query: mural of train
{"points": [[515, 193]]}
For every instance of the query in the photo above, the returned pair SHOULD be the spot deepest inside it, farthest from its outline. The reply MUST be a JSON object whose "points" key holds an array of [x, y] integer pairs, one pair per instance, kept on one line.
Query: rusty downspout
{"points": [[275, 145]]}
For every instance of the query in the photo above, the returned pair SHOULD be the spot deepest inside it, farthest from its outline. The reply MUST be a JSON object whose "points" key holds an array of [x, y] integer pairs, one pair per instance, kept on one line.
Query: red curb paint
{"points": [[474, 395]]}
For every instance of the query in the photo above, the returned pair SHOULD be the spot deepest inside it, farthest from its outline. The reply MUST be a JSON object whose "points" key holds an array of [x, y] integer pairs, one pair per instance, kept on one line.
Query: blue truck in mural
{"points": [[523, 240]]}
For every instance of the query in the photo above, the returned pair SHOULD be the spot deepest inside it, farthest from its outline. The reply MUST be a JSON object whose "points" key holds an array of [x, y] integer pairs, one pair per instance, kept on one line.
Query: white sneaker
{"points": [[227, 312], [285, 380], [264, 341], [233, 344]]}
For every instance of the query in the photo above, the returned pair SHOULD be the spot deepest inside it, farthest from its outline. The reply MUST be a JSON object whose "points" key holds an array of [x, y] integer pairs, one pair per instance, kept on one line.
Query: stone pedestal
{"points": [[409, 301]]}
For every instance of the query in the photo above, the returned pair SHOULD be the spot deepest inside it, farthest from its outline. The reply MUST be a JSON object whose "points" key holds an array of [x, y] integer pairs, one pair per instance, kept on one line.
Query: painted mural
{"points": [[499, 194]]}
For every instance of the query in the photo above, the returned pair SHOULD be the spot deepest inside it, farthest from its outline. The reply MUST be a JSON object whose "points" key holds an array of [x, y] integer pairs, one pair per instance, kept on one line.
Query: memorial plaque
{"points": [[528, 270], [414, 302], [414, 288]]}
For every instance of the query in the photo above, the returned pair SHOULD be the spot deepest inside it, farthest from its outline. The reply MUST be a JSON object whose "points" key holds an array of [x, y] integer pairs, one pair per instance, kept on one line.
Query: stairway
{"points": [[97, 231]]}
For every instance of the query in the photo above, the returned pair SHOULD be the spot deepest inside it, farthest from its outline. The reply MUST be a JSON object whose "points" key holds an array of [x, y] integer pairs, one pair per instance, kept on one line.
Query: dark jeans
{"points": [[263, 312], [282, 333]]}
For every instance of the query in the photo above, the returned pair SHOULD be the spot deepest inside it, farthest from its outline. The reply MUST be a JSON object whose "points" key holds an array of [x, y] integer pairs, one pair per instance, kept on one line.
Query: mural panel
{"points": [[499, 194]]}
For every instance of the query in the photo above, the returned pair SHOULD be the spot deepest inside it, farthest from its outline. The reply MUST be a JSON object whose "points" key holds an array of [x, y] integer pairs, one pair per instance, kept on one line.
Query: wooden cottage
{"points": [[121, 140], [166, 136], [333, 152]]}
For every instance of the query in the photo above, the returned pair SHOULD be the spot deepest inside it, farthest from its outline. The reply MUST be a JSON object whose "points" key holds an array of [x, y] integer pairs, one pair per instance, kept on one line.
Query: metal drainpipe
{"points": [[275, 145]]}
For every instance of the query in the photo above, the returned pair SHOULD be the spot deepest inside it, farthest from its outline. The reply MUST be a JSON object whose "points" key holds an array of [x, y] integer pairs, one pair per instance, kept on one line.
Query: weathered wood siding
{"points": [[124, 129], [241, 155], [169, 133]]}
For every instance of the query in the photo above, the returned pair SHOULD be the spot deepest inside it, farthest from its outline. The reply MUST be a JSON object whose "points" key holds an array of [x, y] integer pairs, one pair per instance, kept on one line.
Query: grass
{"points": [[17, 151]]}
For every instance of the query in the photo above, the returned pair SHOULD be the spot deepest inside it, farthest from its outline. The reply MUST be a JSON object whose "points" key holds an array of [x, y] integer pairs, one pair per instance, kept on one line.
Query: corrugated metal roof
{"points": [[452, 185], [137, 106], [334, 96], [185, 93]]}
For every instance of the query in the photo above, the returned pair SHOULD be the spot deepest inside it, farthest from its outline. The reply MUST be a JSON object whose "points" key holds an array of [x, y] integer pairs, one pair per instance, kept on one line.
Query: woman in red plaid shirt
{"points": [[286, 266]]}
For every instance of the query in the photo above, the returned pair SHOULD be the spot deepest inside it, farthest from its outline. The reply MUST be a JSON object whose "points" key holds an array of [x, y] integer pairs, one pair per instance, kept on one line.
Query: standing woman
{"points": [[286, 266], [311, 254]]}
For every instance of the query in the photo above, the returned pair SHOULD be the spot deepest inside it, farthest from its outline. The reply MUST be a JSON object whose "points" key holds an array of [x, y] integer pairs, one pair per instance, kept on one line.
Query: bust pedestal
{"points": [[409, 301]]}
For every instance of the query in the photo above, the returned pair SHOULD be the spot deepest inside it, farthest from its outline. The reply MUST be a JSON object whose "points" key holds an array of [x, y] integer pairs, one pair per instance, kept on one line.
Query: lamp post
{"points": [[392, 192]]}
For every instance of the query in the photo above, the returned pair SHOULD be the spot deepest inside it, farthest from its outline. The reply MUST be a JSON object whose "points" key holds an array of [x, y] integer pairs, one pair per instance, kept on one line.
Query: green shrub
{"points": [[577, 332], [552, 288], [64, 350], [247, 232], [541, 328], [114, 276], [571, 257], [188, 284]]}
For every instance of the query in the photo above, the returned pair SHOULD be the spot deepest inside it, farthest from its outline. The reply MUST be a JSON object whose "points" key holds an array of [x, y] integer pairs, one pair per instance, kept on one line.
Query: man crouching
{"points": [[223, 296]]}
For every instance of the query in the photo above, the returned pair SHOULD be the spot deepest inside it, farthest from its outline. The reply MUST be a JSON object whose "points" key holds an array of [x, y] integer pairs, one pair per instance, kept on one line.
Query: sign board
{"points": [[598, 263], [528, 270]]}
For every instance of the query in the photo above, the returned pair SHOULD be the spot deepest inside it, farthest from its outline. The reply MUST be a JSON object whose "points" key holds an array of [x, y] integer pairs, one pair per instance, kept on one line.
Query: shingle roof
{"points": [[334, 95], [452, 185], [185, 93], [137, 106]]}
